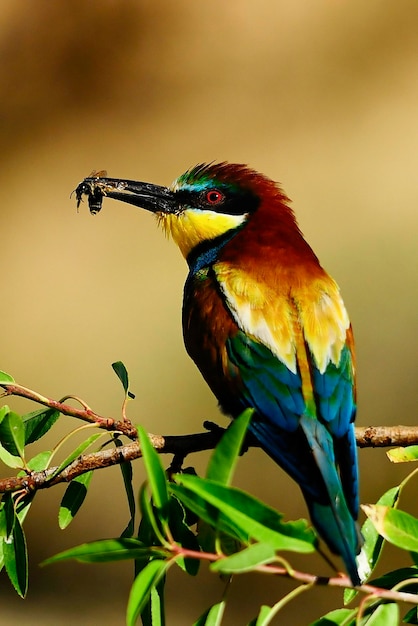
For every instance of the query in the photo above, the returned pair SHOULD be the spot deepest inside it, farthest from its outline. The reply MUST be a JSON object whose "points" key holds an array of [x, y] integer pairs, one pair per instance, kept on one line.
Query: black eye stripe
{"points": [[233, 203]]}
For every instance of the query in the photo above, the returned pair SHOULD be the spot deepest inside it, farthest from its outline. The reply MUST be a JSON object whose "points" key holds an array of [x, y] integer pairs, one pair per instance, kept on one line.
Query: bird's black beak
{"points": [[151, 197]]}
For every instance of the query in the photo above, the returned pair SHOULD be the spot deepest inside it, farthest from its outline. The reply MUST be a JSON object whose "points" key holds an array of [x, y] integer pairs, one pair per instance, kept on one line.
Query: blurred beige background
{"points": [[322, 96]]}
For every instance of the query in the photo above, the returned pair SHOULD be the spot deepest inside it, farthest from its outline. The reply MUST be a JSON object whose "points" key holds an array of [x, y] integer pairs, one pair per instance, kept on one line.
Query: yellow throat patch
{"points": [[192, 226]]}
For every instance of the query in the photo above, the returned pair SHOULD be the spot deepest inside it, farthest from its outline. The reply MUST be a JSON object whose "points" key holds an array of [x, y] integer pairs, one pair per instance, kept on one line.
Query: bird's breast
{"points": [[207, 326]]}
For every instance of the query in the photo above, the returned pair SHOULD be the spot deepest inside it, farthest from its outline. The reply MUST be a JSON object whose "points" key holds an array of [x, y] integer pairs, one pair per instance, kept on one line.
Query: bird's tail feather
{"points": [[308, 456], [332, 518]]}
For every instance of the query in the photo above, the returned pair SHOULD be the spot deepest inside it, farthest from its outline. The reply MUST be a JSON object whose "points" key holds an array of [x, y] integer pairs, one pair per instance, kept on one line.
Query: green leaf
{"points": [[73, 498], [395, 526], [262, 618], [397, 576], [76, 453], [6, 511], [153, 613], [4, 410], [16, 558], [384, 615], [225, 456], [183, 536], [217, 522], [12, 434], [156, 474], [403, 455], [126, 470], [9, 459], [335, 618], [122, 373], [9, 512], [141, 589], [127, 475], [149, 529], [373, 543], [242, 515], [1, 554], [103, 551], [40, 461], [412, 616], [5, 378], [37, 423], [213, 616], [246, 560]]}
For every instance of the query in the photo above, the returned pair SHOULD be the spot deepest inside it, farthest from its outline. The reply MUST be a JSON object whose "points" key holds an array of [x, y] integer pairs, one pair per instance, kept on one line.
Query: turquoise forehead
{"points": [[199, 179]]}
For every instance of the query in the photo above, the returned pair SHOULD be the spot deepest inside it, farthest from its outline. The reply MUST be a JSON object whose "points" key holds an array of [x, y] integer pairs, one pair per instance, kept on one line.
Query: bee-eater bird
{"points": [[267, 328]]}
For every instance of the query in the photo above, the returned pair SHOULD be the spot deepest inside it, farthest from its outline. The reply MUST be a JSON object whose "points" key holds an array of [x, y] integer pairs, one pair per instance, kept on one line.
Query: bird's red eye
{"points": [[213, 196]]}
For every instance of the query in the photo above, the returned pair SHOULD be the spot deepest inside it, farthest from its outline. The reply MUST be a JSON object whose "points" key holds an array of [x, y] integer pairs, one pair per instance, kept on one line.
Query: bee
{"points": [[93, 189]]}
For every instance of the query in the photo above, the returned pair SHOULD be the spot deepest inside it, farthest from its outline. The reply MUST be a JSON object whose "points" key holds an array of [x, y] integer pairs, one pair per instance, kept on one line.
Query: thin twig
{"points": [[86, 414], [306, 578]]}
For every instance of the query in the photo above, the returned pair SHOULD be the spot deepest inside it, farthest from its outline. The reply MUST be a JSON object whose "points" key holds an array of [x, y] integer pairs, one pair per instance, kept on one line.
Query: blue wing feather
{"points": [[268, 385], [319, 452]]}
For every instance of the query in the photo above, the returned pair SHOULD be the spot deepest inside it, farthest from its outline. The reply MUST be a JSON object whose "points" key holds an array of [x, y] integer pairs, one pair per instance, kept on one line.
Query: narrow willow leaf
{"points": [[397, 576], [373, 543], [216, 520], [122, 373], [76, 453], [12, 434], [9, 459], [157, 605], [37, 423], [212, 538], [149, 529], [225, 456], [257, 520], [16, 559], [103, 551], [395, 526], [140, 592], [130, 527], [5, 378], [384, 615], [183, 536], [4, 410], [73, 498], [153, 614], [40, 461], [6, 527], [337, 617], [1, 554], [262, 618], [9, 512], [23, 506], [3, 522], [411, 617], [403, 455], [127, 475], [156, 474], [246, 560], [213, 616]]}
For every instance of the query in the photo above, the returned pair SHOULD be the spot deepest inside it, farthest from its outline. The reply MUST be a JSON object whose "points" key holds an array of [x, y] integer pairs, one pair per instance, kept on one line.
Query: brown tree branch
{"points": [[177, 445], [86, 414], [386, 436]]}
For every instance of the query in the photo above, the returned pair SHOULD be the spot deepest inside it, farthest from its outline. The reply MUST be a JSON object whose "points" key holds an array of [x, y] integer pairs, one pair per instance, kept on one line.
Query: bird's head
{"points": [[203, 204]]}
